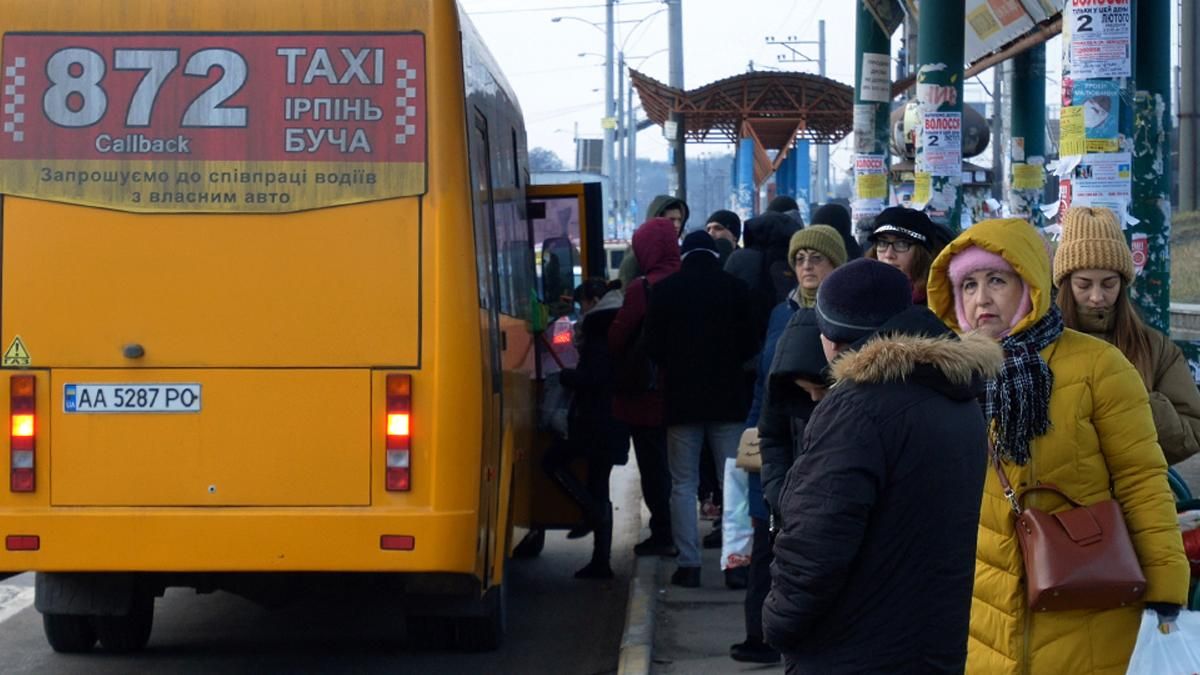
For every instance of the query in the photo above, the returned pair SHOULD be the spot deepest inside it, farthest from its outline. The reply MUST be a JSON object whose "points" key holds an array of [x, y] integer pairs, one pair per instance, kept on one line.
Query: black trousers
{"points": [[650, 448], [595, 493], [759, 584]]}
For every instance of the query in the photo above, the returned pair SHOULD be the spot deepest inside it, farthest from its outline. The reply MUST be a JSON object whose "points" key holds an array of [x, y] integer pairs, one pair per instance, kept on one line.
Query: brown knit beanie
{"points": [[821, 238], [1092, 240]]}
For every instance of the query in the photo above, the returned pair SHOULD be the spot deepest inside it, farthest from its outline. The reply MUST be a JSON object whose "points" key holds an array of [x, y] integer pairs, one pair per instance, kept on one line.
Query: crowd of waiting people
{"points": [[891, 391]]}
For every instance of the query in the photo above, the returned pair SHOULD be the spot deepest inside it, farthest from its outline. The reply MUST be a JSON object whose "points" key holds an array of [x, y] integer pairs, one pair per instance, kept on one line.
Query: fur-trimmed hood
{"points": [[899, 357]]}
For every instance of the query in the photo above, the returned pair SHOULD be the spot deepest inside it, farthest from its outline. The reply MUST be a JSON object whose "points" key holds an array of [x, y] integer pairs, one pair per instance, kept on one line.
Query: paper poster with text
{"points": [[1100, 37], [265, 122], [1100, 102], [941, 145]]}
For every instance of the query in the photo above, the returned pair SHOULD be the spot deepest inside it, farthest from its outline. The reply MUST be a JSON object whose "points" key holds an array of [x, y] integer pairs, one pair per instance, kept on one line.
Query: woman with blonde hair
{"points": [[1068, 410], [1093, 270]]}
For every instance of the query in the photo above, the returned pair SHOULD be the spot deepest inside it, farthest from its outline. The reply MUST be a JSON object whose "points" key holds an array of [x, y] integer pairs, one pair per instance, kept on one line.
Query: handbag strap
{"points": [[1009, 493], [1014, 499]]}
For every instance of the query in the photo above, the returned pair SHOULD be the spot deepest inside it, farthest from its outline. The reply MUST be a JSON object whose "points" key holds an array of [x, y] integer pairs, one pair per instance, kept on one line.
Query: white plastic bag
{"points": [[1175, 653], [737, 536]]}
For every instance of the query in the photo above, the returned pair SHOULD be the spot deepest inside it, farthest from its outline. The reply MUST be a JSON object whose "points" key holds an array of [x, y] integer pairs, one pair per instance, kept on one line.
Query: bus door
{"points": [[568, 237], [489, 308]]}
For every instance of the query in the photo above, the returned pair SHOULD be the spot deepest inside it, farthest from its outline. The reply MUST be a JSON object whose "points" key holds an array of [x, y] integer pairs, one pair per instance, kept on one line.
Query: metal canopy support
{"points": [[745, 188], [940, 49], [1152, 161], [1027, 150], [872, 104]]}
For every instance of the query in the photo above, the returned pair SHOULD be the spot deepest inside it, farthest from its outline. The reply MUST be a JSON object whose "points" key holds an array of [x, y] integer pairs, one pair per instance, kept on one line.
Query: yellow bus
{"points": [[268, 307]]}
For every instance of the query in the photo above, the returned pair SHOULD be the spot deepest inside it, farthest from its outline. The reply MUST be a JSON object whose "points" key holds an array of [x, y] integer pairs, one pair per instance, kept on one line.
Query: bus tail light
{"points": [[399, 411], [22, 428]]}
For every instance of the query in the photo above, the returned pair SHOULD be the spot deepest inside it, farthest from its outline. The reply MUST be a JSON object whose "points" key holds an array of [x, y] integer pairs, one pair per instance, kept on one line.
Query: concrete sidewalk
{"points": [[695, 627]]}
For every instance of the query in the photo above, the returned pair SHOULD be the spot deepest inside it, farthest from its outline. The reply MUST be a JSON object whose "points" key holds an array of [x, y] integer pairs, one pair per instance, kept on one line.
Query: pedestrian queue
{"points": [[592, 433], [813, 254], [1070, 427], [1093, 269], [874, 560]]}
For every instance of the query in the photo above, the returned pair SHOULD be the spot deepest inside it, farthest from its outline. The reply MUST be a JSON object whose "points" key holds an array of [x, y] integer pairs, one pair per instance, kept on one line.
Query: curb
{"points": [[637, 642]]}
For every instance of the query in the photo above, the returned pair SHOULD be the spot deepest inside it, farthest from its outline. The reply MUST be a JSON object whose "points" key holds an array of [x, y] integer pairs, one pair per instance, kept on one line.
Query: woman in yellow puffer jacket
{"points": [[1085, 426]]}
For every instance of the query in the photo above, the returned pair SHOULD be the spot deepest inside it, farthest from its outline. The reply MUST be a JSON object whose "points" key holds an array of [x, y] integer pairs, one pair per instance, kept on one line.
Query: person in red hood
{"points": [[656, 246]]}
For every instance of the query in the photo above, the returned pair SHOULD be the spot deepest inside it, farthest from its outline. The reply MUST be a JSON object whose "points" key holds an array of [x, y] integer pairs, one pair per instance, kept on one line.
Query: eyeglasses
{"points": [[813, 259], [897, 245]]}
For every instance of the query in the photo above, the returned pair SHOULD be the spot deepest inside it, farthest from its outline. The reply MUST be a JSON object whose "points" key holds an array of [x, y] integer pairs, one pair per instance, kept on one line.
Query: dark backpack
{"points": [[635, 372]]}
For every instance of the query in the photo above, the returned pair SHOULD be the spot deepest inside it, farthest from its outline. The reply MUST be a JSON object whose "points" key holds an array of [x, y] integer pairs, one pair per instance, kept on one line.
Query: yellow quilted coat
{"points": [[1101, 444]]}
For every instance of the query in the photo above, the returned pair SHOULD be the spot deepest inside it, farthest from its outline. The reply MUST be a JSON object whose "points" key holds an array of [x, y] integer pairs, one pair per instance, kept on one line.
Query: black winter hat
{"points": [[859, 297], [698, 241], [728, 220], [783, 204], [910, 224]]}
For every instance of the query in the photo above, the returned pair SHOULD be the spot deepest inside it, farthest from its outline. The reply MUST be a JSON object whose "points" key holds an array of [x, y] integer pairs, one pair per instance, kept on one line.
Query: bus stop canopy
{"points": [[774, 109]]}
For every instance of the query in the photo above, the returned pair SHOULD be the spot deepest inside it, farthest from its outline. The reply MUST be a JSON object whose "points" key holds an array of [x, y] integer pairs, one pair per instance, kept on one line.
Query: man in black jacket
{"points": [[698, 330], [875, 562]]}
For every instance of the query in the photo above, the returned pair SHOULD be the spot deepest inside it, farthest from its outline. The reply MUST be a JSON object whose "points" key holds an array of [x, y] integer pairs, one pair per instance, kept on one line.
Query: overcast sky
{"points": [[560, 91]]}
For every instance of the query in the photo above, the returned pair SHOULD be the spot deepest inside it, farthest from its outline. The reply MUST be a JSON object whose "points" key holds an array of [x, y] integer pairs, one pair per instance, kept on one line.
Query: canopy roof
{"points": [[772, 108], [779, 107]]}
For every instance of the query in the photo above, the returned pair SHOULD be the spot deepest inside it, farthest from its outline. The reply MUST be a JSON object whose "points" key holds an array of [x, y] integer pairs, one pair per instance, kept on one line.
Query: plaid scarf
{"points": [[1018, 399]]}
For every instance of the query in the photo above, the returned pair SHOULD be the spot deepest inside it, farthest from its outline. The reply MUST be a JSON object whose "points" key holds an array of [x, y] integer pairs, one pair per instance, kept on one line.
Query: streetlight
{"points": [[615, 128]]}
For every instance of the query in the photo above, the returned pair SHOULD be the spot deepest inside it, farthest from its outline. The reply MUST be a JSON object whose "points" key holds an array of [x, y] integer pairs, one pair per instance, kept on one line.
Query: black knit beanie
{"points": [[783, 204], [728, 220], [699, 241], [856, 299]]}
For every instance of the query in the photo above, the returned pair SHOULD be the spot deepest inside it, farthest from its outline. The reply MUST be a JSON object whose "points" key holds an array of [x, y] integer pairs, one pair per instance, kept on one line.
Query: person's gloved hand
{"points": [[1167, 615]]}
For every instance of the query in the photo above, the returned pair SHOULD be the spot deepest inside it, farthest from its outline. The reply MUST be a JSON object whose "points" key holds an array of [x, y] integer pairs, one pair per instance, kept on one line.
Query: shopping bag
{"points": [[1174, 653], [737, 535], [554, 406]]}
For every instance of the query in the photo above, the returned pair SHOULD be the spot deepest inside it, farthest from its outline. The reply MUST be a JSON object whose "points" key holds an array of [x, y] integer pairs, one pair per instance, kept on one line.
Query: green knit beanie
{"points": [[820, 238]]}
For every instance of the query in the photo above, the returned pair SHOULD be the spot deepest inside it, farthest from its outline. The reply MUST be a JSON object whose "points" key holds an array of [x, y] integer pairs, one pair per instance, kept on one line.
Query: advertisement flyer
{"points": [[1028, 176], [1103, 179], [941, 144], [1100, 102], [876, 84], [213, 122], [1072, 139], [870, 177], [1099, 31]]}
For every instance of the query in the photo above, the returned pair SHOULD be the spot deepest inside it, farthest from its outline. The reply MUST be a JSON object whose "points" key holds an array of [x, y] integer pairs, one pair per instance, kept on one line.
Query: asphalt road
{"points": [[556, 625]]}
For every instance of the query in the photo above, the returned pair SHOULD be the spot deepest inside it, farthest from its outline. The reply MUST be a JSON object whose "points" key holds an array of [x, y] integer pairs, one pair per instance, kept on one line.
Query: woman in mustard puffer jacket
{"points": [[1085, 426]]}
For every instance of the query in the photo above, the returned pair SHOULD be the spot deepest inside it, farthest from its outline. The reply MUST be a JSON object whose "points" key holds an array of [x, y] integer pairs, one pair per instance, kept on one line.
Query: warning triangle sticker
{"points": [[16, 354]]}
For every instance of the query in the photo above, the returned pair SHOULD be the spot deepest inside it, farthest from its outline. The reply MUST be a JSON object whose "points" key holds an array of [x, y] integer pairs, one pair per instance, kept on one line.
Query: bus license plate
{"points": [[131, 398]]}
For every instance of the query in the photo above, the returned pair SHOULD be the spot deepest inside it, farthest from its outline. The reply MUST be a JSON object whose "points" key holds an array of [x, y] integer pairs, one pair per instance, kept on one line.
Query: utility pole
{"points": [[997, 131], [872, 109], [1189, 106], [610, 114], [819, 190], [1027, 147], [1152, 162], [631, 130], [675, 45], [823, 148], [622, 130], [938, 181]]}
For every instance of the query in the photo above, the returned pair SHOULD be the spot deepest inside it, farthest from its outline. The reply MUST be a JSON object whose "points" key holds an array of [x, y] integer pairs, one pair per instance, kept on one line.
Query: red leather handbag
{"points": [[1077, 558]]}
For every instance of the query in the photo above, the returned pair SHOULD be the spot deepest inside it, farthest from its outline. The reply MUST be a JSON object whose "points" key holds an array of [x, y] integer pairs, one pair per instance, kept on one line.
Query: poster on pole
{"points": [[941, 144], [876, 83], [1100, 102], [870, 177], [1104, 180], [1100, 36]]}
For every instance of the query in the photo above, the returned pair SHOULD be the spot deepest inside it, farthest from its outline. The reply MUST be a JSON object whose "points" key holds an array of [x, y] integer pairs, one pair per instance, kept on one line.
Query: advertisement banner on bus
{"points": [[207, 122]]}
